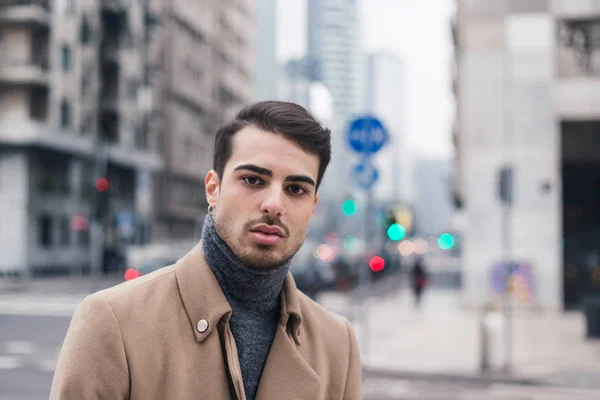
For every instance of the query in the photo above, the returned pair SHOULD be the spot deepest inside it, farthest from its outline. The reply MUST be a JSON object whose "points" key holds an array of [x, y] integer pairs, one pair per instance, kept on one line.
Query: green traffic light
{"points": [[396, 232], [349, 207], [350, 243], [446, 241]]}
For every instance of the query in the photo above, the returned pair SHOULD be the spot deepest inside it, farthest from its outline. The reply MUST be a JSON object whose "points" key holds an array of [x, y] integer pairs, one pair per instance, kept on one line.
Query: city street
{"points": [[409, 355], [29, 346], [34, 318]]}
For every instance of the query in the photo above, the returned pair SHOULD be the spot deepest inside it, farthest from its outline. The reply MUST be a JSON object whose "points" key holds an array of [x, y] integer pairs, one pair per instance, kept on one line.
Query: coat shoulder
{"points": [[327, 325], [314, 310], [127, 294]]}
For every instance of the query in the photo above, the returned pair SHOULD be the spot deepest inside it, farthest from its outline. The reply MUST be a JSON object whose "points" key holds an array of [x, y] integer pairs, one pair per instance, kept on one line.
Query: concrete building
{"points": [[208, 59], [267, 68], [333, 59], [294, 82], [333, 50], [527, 83], [69, 80], [385, 97], [433, 203]]}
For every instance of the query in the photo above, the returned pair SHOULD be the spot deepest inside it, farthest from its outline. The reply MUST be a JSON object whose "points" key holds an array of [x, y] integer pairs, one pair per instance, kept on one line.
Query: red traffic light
{"points": [[132, 274], [79, 223], [101, 184], [377, 264]]}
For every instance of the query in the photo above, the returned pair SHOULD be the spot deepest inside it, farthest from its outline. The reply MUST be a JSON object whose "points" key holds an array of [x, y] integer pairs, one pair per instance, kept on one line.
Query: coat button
{"points": [[202, 326]]}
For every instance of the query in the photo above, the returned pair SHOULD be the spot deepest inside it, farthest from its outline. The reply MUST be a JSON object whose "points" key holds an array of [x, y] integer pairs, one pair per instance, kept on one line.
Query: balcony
{"points": [[109, 50], [21, 12], [115, 5], [109, 99], [578, 48], [22, 72]]}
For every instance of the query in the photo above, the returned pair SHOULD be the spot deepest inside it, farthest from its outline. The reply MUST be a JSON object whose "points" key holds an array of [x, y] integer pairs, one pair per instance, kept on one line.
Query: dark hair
{"points": [[286, 119]]}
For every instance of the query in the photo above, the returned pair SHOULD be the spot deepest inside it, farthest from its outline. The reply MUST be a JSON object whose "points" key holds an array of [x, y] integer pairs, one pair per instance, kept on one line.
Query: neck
{"points": [[238, 282]]}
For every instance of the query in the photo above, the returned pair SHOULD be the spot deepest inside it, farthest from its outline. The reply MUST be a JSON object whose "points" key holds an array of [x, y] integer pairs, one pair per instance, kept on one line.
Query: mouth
{"points": [[267, 234], [269, 230]]}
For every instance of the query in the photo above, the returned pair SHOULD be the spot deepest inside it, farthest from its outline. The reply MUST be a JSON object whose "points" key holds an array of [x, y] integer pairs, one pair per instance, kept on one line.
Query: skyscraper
{"points": [[333, 59], [266, 73], [385, 97]]}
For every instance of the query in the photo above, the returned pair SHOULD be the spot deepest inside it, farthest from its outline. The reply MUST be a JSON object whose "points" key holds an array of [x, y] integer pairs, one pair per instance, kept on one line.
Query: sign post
{"points": [[366, 136], [506, 194]]}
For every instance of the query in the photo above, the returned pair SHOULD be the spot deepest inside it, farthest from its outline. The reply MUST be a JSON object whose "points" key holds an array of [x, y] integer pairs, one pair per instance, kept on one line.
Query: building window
{"points": [[65, 114], [85, 31], [65, 232], [70, 6], [83, 238], [66, 57], [45, 231]]}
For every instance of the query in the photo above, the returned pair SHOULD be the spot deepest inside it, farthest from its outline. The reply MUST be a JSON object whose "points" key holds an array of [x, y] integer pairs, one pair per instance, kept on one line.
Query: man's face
{"points": [[265, 175]]}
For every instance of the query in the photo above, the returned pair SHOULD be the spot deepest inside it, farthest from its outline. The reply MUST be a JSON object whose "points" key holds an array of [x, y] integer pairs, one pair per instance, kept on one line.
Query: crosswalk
{"points": [[40, 304], [16, 355], [394, 389]]}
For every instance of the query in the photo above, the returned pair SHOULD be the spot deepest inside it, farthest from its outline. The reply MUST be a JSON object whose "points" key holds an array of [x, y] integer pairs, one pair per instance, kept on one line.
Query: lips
{"points": [[269, 230]]}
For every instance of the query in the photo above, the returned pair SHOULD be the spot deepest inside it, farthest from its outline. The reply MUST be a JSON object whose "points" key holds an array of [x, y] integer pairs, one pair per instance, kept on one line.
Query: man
{"points": [[226, 321]]}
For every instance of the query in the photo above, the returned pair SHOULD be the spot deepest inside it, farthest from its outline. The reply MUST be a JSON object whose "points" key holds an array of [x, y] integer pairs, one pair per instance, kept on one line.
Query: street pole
{"points": [[96, 226], [506, 197], [507, 285], [365, 280]]}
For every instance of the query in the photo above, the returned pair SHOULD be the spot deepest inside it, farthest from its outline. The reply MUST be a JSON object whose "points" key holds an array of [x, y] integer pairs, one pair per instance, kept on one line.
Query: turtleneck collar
{"points": [[239, 283]]}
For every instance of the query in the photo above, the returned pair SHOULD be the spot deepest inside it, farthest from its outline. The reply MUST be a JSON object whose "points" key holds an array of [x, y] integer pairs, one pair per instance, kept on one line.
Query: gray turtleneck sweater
{"points": [[254, 297]]}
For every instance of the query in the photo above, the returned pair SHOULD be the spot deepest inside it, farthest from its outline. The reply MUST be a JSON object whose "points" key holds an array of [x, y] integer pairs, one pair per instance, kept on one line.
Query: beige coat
{"points": [[143, 340]]}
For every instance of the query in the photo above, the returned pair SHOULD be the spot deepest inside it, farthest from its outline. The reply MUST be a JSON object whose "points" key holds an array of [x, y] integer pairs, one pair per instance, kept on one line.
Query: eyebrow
{"points": [[254, 168], [269, 173], [300, 178]]}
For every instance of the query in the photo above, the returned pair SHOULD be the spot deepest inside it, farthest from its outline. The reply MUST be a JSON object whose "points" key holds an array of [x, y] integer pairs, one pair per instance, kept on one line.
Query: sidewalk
{"points": [[443, 340], [58, 284]]}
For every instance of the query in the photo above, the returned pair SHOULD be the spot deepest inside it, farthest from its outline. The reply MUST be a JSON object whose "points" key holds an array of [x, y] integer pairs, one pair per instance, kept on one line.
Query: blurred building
{"points": [[333, 50], [71, 76], [267, 68], [433, 204], [294, 82], [385, 97], [527, 84], [130, 91], [208, 59], [333, 58]]}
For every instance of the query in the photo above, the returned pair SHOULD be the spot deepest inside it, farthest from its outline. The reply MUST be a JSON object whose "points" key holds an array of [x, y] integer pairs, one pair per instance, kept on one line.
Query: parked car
{"points": [[311, 274]]}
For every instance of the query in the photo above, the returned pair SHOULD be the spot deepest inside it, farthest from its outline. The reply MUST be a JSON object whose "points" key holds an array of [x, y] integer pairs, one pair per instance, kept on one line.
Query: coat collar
{"points": [[286, 372], [203, 298]]}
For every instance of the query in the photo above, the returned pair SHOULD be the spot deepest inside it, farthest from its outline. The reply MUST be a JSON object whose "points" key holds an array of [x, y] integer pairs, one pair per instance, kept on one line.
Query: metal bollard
{"points": [[484, 364], [490, 326]]}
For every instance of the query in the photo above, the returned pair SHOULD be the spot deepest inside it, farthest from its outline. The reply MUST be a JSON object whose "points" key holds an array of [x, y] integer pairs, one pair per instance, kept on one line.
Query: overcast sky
{"points": [[419, 33]]}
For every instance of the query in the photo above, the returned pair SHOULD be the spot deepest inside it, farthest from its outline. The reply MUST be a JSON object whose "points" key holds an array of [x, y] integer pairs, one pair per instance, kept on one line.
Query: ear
{"points": [[315, 203], [211, 186]]}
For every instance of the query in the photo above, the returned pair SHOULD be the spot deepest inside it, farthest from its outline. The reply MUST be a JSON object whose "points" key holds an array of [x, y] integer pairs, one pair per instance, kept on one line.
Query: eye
{"points": [[297, 190], [252, 180]]}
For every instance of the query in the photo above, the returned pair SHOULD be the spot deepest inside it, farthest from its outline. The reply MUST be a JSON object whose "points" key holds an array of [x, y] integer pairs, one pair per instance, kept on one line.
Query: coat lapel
{"points": [[286, 374]]}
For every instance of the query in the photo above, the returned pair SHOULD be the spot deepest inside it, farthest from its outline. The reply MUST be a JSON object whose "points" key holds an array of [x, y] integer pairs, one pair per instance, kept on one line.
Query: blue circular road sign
{"points": [[365, 174], [367, 135]]}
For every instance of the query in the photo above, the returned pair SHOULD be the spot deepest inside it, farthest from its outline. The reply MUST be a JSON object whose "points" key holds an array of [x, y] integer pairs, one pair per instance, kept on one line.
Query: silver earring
{"points": [[283, 212], [210, 209]]}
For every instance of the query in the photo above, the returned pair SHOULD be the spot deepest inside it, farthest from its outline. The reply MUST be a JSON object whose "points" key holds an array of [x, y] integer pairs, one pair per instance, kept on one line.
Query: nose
{"points": [[273, 203]]}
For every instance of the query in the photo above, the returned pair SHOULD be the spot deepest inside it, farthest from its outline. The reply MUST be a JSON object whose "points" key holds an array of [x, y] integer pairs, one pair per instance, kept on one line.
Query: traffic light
{"points": [[396, 232], [377, 264], [102, 198], [349, 207], [101, 184], [446, 241]]}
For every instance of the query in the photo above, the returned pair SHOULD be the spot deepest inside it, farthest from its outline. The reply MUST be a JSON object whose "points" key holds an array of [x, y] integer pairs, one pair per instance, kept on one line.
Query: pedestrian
{"points": [[226, 321], [419, 280]]}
